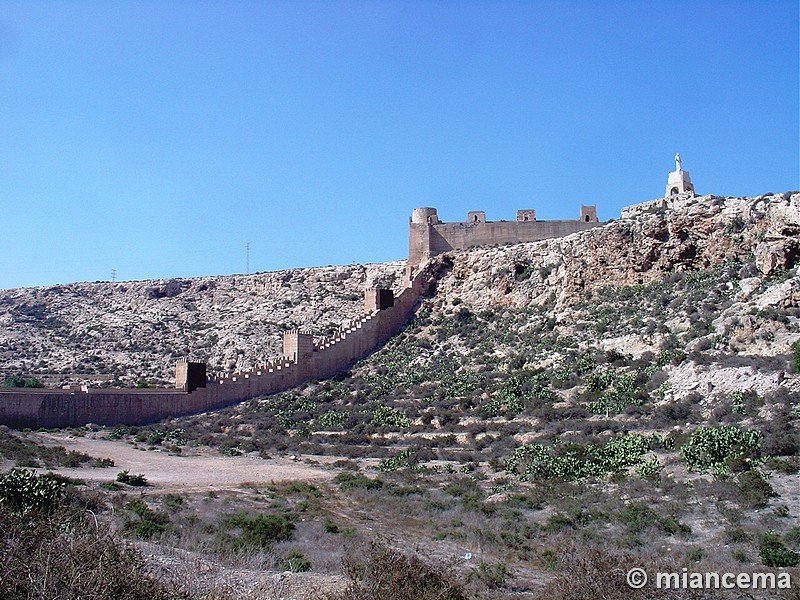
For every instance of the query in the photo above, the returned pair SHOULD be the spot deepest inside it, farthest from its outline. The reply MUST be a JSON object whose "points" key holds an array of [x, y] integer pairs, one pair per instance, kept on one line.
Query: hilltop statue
{"points": [[678, 181]]}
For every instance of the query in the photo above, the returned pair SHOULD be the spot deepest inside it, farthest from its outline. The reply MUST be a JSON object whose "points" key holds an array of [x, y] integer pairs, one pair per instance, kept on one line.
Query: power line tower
{"points": [[113, 275], [247, 247]]}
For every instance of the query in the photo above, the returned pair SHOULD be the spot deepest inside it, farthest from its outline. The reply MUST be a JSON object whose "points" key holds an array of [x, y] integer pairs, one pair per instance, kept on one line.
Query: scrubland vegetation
{"points": [[482, 453]]}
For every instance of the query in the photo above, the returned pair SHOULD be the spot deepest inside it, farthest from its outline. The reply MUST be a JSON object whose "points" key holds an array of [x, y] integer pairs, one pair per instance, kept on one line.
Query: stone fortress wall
{"points": [[428, 236], [304, 358]]}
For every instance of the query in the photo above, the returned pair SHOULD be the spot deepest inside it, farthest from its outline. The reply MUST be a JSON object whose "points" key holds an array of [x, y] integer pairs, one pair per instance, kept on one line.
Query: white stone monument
{"points": [[679, 181]]}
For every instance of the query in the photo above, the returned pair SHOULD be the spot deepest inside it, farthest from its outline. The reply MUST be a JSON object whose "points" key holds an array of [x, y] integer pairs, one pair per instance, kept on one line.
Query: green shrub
{"points": [[387, 416], [133, 480], [332, 419], [330, 527], [550, 559], [296, 563], [711, 448], [259, 532], [638, 517], [585, 364], [741, 556], [755, 489], [572, 462], [559, 522], [357, 480], [736, 535], [796, 356], [119, 432], [148, 522], [492, 576], [23, 491], [17, 381], [775, 554], [404, 460]]}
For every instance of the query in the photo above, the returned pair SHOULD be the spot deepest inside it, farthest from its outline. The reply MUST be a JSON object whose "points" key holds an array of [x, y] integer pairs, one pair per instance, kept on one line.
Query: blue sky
{"points": [[159, 138]]}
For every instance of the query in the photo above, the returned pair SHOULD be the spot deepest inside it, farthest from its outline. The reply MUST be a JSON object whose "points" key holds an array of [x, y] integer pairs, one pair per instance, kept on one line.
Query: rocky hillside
{"points": [[566, 409], [555, 413], [130, 332]]}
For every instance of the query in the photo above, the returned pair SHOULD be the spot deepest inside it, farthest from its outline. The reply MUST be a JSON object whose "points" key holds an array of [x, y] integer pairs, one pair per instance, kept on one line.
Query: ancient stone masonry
{"points": [[428, 236], [304, 359]]}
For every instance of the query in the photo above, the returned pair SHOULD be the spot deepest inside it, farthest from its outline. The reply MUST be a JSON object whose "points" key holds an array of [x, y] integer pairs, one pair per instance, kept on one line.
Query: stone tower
{"points": [[679, 181]]}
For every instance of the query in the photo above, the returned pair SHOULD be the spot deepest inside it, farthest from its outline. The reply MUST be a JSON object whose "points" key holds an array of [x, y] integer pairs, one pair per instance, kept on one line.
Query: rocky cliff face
{"points": [[653, 240], [712, 277], [133, 331]]}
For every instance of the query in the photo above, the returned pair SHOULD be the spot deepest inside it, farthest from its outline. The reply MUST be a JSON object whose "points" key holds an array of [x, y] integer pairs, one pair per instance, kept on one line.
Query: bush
{"points": [[296, 563], [493, 577], [260, 532], [23, 491], [134, 480], [590, 572], [357, 480], [378, 571], [17, 381], [386, 416], [755, 489], [796, 356], [148, 523], [638, 518], [68, 555], [332, 419], [571, 462], [775, 554], [711, 448]]}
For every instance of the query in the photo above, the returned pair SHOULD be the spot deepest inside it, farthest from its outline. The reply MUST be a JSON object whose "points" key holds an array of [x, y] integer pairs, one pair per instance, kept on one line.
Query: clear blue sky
{"points": [[158, 138]]}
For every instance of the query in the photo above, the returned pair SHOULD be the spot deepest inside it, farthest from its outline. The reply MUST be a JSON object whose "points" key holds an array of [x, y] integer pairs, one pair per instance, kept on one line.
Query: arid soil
{"points": [[194, 470]]}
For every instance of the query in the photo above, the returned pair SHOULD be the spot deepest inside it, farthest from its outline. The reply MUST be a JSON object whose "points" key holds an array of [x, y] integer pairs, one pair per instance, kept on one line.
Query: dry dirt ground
{"points": [[202, 471], [194, 470]]}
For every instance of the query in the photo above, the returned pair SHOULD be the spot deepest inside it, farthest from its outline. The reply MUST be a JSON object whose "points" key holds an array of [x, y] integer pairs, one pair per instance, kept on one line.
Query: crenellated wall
{"points": [[428, 236], [303, 360]]}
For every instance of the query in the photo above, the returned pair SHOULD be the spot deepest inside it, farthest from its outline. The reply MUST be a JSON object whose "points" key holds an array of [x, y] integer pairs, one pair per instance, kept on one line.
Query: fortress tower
{"points": [[679, 181]]}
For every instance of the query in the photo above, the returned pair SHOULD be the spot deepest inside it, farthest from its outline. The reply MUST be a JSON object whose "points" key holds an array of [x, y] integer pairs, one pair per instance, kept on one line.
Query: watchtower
{"points": [[476, 216], [378, 299], [190, 375], [589, 214], [298, 346]]}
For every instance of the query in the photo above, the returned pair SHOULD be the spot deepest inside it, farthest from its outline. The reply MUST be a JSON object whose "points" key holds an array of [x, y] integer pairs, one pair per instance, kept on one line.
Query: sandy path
{"points": [[202, 471]]}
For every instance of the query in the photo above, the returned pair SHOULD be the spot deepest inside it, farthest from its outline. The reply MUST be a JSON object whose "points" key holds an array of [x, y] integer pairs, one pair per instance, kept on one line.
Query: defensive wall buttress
{"points": [[304, 358]]}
